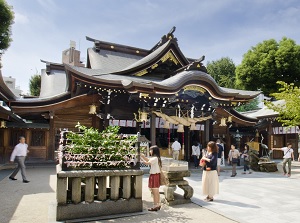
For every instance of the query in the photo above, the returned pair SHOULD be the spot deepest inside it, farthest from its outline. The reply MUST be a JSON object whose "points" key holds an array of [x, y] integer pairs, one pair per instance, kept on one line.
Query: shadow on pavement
{"points": [[24, 197]]}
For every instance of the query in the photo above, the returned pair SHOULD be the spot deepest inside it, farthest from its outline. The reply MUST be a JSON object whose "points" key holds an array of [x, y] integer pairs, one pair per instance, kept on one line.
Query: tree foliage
{"points": [[267, 63], [35, 85], [6, 20], [250, 106], [223, 71], [289, 114]]}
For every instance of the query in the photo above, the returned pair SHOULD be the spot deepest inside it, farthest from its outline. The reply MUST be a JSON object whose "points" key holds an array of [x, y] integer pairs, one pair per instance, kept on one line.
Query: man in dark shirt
{"points": [[220, 155]]}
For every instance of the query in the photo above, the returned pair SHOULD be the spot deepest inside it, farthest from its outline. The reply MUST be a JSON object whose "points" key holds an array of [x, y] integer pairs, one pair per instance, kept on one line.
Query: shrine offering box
{"points": [[169, 164]]}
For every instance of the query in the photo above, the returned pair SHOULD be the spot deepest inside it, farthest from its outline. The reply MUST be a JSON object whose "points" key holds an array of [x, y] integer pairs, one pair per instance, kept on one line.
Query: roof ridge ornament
{"points": [[197, 65], [165, 38]]}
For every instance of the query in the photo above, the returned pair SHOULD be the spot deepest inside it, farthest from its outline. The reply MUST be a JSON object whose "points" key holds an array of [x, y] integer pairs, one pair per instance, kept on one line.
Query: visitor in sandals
{"points": [[288, 156]]}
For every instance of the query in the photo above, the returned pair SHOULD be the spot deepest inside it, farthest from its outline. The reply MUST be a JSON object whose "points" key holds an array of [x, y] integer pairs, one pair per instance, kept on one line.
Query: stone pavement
{"points": [[256, 197]]}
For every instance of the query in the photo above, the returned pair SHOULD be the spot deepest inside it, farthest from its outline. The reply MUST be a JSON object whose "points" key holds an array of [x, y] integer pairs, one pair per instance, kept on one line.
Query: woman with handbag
{"points": [[154, 178], [246, 157], [233, 159], [210, 179]]}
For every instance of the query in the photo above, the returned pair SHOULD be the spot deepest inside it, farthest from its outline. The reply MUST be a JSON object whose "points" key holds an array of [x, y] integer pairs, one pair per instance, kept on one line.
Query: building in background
{"points": [[11, 84]]}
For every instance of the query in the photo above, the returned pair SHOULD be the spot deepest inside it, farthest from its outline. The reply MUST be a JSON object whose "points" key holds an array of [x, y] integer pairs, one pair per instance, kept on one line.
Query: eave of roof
{"points": [[237, 117], [265, 112], [119, 47], [5, 93], [167, 86]]}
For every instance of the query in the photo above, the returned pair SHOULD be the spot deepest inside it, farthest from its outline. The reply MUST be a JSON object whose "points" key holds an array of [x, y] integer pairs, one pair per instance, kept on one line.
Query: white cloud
{"points": [[20, 18]]}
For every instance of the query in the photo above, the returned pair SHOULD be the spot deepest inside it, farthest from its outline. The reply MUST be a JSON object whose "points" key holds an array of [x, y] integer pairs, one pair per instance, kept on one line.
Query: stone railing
{"points": [[93, 193]]}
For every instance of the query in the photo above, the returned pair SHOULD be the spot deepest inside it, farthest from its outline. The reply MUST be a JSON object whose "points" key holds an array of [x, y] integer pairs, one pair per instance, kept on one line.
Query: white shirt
{"points": [[19, 150], [176, 146], [287, 152], [154, 168], [196, 150]]}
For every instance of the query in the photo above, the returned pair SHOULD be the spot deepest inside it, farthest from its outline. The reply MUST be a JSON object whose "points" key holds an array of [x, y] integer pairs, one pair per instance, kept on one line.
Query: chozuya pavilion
{"points": [[157, 91]]}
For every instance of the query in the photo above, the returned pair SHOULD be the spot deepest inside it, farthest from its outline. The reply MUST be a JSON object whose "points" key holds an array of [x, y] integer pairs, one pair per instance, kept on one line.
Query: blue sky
{"points": [[214, 28]]}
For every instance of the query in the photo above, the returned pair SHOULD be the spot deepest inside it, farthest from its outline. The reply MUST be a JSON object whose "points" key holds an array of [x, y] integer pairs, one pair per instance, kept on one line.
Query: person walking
{"points": [[220, 155], [154, 178], [196, 154], [176, 146], [210, 179], [19, 154], [233, 158], [246, 157], [288, 156]]}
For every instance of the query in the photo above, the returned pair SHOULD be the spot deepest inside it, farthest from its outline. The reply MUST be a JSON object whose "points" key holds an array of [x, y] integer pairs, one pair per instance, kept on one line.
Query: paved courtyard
{"points": [[258, 197]]}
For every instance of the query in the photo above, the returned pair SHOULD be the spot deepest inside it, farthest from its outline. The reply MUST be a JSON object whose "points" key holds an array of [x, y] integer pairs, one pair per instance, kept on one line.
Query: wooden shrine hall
{"points": [[159, 92]]}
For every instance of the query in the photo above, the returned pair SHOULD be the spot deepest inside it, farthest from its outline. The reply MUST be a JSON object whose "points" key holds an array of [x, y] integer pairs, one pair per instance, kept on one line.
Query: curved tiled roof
{"points": [[108, 61], [172, 84], [54, 83], [148, 58]]}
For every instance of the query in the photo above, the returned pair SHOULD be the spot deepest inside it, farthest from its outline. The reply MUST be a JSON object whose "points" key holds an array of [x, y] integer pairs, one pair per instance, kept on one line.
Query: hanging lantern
{"points": [[223, 122], [229, 119], [180, 128], [3, 124], [166, 125], [144, 116], [93, 109], [193, 127]]}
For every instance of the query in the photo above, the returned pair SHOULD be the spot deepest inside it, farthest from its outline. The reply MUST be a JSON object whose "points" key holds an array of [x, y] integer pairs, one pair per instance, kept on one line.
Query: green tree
{"points": [[250, 106], [267, 63], [6, 20], [223, 71], [35, 85], [289, 114]]}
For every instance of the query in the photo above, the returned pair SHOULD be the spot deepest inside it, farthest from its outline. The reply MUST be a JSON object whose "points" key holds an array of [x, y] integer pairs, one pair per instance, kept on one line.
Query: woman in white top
{"points": [[154, 178], [196, 154]]}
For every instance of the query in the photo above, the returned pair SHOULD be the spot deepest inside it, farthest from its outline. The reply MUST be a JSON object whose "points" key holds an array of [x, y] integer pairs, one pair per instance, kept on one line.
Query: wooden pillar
{"points": [[206, 132], [187, 143], [6, 146], [153, 129], [27, 136], [51, 145], [270, 136]]}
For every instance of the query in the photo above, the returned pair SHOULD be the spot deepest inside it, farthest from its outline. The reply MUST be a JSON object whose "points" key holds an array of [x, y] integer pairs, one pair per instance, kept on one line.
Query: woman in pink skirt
{"points": [[154, 178], [210, 179]]}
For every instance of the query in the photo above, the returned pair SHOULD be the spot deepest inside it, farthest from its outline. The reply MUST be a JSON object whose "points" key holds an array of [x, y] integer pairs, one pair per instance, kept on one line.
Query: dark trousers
{"points": [[196, 161], [21, 165], [246, 166], [234, 168]]}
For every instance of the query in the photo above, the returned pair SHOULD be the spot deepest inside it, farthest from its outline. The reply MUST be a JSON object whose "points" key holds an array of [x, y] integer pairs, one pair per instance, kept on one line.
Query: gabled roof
{"points": [[167, 51], [114, 58], [265, 112]]}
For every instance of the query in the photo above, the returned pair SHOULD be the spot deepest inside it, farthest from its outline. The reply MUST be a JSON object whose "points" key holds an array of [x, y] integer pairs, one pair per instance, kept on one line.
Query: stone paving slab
{"points": [[257, 197]]}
